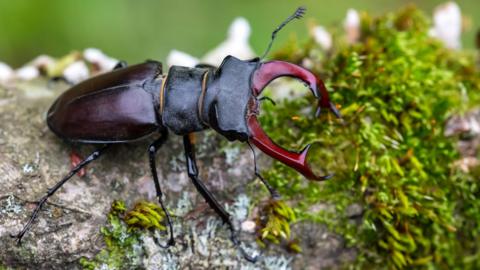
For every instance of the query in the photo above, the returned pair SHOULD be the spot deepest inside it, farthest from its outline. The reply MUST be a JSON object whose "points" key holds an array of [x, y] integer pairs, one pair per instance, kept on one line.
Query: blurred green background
{"points": [[137, 30]]}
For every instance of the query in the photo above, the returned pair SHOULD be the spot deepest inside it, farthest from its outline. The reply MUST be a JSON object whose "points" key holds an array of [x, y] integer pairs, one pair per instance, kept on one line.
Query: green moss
{"points": [[122, 236], [273, 225], [145, 215], [395, 87]]}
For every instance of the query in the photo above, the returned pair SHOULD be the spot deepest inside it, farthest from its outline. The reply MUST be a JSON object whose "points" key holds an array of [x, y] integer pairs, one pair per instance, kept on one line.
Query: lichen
{"points": [[201, 243], [395, 87], [11, 206]]}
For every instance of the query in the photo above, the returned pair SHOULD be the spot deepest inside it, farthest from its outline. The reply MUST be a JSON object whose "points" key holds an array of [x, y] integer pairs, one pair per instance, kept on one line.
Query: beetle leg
{"points": [[207, 195], [93, 156], [152, 149], [273, 192]]}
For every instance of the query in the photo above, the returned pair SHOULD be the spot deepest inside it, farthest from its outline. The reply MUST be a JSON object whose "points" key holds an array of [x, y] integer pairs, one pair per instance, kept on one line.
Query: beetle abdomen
{"points": [[118, 106]]}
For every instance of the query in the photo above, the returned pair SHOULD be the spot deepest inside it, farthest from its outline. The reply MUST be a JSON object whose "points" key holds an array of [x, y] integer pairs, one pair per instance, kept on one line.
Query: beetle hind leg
{"points": [[93, 156], [152, 149], [208, 196]]}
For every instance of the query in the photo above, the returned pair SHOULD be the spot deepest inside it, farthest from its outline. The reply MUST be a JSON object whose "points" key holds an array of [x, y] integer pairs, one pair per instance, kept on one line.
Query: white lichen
{"points": [[277, 263], [239, 209], [11, 206], [27, 168], [184, 205], [231, 154]]}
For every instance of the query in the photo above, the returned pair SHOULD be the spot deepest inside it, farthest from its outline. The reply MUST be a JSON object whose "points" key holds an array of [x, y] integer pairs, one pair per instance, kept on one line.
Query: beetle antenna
{"points": [[297, 15]]}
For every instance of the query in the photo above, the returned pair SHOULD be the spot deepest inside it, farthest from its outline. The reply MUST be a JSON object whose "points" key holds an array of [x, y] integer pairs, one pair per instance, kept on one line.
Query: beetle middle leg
{"points": [[152, 149], [93, 156], [207, 195]]}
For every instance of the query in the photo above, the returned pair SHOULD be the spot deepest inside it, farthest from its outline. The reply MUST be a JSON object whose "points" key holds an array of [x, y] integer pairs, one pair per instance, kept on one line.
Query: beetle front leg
{"points": [[188, 142], [152, 149], [93, 156], [193, 174]]}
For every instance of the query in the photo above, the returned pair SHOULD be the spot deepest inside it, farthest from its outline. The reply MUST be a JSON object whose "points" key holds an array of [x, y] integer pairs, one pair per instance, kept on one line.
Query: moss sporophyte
{"points": [[396, 87]]}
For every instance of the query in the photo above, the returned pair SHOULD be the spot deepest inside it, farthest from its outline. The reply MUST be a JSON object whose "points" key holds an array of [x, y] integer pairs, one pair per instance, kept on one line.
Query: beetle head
{"points": [[234, 92], [261, 77]]}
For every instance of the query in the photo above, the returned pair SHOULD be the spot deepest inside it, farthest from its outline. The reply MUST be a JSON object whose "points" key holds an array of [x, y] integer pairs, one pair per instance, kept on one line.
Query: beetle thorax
{"points": [[198, 98], [180, 95]]}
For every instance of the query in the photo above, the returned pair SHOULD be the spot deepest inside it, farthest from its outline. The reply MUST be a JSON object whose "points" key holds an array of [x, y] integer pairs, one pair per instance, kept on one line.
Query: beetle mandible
{"points": [[132, 103]]}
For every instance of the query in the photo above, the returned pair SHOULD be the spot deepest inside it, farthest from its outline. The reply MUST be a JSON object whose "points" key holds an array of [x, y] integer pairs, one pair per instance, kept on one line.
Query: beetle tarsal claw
{"points": [[236, 243]]}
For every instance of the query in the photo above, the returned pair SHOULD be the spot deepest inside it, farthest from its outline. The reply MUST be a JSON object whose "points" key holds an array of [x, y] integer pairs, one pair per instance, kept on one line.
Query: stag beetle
{"points": [[132, 103]]}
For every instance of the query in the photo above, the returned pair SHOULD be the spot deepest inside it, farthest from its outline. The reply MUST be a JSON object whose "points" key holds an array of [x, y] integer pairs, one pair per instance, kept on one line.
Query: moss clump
{"points": [[274, 224], [396, 87], [122, 236], [145, 215]]}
